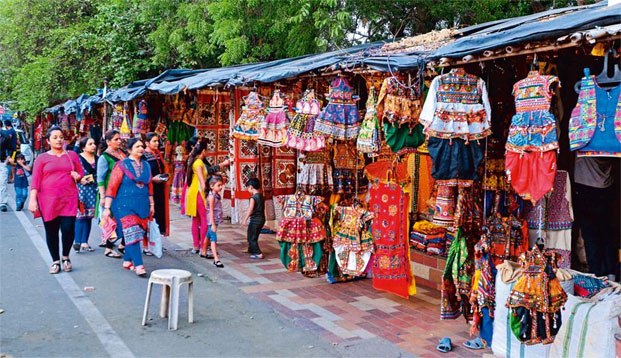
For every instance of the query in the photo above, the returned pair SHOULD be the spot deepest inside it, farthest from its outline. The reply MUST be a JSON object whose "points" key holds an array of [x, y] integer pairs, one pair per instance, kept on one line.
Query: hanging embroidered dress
{"points": [[455, 115], [301, 132], [397, 103], [252, 115], [340, 118], [348, 170], [273, 130], [300, 234], [141, 124], [352, 239], [536, 300], [314, 175], [457, 280], [483, 294], [368, 138], [595, 123], [391, 266], [530, 158], [178, 182]]}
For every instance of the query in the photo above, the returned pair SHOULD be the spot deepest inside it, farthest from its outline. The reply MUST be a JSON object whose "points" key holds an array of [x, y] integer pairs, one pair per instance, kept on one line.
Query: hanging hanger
{"points": [[535, 65], [615, 79]]}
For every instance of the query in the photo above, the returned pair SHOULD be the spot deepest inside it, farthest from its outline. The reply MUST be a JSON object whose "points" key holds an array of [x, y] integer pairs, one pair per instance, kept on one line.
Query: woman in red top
{"points": [[54, 193]]}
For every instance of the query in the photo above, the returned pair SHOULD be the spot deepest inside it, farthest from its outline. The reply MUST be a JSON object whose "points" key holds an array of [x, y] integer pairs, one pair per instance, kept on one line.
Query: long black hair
{"points": [[196, 151]]}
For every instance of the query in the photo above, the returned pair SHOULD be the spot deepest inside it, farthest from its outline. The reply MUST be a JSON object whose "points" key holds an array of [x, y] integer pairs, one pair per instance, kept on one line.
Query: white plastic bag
{"points": [[155, 239]]}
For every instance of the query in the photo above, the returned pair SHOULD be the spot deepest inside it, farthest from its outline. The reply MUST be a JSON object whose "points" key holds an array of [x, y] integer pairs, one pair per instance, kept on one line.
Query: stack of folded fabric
{"points": [[428, 237]]}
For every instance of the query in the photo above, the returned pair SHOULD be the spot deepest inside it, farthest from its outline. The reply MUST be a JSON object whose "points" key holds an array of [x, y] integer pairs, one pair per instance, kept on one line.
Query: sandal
{"points": [[86, 247], [121, 249], [67, 267], [128, 265], [474, 344], [444, 345], [112, 254], [140, 271], [147, 253], [55, 268], [218, 264], [76, 247]]}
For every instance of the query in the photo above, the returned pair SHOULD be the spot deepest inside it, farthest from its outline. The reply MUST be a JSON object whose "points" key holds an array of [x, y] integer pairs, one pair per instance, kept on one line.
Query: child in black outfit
{"points": [[255, 218], [22, 172]]}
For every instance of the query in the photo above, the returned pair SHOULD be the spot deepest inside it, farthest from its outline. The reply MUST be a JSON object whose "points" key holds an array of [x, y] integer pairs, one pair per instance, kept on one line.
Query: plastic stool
{"points": [[171, 280]]}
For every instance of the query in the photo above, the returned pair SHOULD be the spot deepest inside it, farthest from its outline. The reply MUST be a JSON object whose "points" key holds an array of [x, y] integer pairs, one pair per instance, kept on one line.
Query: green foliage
{"points": [[51, 50]]}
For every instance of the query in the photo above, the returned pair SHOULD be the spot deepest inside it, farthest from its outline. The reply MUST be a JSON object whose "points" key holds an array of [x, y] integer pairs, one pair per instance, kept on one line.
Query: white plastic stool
{"points": [[171, 280]]}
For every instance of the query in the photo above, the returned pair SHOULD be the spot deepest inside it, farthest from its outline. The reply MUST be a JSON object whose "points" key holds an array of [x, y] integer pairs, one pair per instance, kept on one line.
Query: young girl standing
{"points": [[214, 216]]}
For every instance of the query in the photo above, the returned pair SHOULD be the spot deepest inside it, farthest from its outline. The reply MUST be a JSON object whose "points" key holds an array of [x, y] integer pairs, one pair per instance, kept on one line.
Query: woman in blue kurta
{"points": [[129, 197]]}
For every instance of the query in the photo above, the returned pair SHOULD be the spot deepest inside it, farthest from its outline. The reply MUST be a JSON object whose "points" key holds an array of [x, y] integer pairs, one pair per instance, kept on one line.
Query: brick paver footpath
{"points": [[339, 312]]}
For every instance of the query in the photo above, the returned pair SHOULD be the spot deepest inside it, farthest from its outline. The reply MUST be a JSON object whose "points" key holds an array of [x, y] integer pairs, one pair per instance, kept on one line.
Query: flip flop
{"points": [[474, 344], [218, 264], [112, 254], [444, 345]]}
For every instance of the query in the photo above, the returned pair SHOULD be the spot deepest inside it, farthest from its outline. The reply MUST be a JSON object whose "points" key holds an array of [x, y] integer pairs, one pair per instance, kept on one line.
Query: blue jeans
{"points": [[211, 236], [21, 194], [82, 230], [133, 254]]}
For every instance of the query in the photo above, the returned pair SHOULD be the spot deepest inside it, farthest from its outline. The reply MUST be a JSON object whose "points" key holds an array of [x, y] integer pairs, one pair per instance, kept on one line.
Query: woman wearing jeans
{"points": [[87, 195], [54, 193], [129, 197]]}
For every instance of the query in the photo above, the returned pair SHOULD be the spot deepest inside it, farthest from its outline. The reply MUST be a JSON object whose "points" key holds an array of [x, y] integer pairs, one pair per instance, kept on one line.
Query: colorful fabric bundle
{"points": [[588, 286], [536, 300]]}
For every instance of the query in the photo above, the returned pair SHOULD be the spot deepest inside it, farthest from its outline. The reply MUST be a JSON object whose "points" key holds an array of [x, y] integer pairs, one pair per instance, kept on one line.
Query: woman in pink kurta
{"points": [[54, 193]]}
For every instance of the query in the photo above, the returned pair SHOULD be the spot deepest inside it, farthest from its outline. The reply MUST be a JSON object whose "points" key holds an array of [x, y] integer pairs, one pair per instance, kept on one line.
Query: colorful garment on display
{"points": [[352, 239], [457, 280], [455, 205], [428, 237], [457, 106], [422, 182], [126, 124], [533, 127], [301, 133], [284, 171], [251, 117], [246, 166], [536, 300], [178, 181], [399, 103], [315, 173], [213, 118], [595, 123], [300, 235], [273, 129], [483, 294], [531, 174], [507, 238], [455, 158], [391, 266], [117, 116], [340, 118], [348, 170], [403, 138], [368, 138], [141, 124]]}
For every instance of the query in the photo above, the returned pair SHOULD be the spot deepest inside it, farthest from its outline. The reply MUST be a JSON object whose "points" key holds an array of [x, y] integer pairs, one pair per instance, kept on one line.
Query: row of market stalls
{"points": [[428, 160]]}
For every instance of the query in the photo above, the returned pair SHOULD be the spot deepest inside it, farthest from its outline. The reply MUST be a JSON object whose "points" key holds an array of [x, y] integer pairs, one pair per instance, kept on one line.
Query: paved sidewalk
{"points": [[341, 313]]}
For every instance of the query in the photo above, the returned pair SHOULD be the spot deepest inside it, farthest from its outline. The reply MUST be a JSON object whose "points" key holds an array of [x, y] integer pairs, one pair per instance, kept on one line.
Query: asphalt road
{"points": [[54, 316]]}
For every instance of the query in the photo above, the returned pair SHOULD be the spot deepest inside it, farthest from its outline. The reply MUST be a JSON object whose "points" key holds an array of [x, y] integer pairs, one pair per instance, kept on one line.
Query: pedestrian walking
{"points": [[255, 217], [214, 216], [55, 195], [159, 175], [87, 195], [129, 198], [195, 204], [22, 172], [111, 154]]}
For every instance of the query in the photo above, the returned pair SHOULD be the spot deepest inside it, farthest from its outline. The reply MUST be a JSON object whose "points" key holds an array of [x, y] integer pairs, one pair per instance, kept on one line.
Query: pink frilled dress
{"points": [[57, 192]]}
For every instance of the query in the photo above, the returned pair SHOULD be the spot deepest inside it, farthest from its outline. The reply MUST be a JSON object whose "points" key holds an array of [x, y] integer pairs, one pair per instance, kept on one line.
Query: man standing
{"points": [[4, 168]]}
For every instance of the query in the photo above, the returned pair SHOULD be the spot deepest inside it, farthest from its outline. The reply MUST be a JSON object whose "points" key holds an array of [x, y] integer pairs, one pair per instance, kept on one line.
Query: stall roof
{"points": [[545, 25]]}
